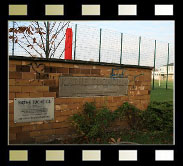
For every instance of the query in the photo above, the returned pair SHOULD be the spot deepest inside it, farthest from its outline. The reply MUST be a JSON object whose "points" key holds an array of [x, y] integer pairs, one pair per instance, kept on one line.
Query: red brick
{"points": [[28, 76], [138, 83], [146, 83], [42, 139], [12, 67], [45, 126], [108, 99], [26, 63], [116, 98], [35, 133], [22, 68], [60, 125], [85, 71], [36, 95], [142, 92], [42, 132], [12, 136], [29, 89], [15, 75], [42, 76], [88, 99], [64, 131], [61, 118], [50, 82], [62, 70], [64, 106], [15, 129], [95, 71], [147, 87], [15, 62], [11, 108], [21, 82], [57, 107], [74, 70], [49, 94], [12, 124], [50, 69], [22, 95], [29, 128], [63, 112], [53, 76], [23, 136], [124, 98], [11, 117], [11, 96], [11, 81], [35, 88], [35, 82], [54, 89], [14, 88]]}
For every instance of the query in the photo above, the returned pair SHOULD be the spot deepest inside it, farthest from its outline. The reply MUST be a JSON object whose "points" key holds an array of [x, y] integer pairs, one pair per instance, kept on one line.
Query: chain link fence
{"points": [[103, 45]]}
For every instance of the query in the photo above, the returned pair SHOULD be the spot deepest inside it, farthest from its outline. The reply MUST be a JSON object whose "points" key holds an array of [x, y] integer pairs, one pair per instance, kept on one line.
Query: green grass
{"points": [[162, 94]]}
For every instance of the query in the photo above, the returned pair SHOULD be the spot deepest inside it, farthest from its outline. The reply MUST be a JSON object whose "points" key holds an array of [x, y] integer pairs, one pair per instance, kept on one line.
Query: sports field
{"points": [[160, 93]]}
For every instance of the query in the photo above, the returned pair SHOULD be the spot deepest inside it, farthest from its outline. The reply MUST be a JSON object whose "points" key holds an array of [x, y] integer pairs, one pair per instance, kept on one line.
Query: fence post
{"points": [[75, 42], [167, 68], [121, 48], [154, 62], [13, 45], [100, 43], [139, 50]]}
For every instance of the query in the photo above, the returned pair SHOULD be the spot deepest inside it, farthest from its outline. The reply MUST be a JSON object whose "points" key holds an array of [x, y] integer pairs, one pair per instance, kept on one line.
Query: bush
{"points": [[159, 116], [94, 123], [133, 115], [91, 122]]}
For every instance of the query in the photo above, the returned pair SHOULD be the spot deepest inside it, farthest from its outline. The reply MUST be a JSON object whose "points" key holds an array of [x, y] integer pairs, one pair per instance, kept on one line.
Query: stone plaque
{"points": [[33, 109], [92, 86]]}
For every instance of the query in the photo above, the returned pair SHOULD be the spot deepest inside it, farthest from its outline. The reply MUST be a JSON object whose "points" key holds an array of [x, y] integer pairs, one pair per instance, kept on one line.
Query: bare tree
{"points": [[39, 38]]}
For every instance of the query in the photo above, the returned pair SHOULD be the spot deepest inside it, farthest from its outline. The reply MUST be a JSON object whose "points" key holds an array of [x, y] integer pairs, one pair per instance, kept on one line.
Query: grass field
{"points": [[162, 94]]}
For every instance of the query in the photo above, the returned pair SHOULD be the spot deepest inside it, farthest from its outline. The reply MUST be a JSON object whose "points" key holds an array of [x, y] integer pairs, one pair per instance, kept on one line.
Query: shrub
{"points": [[91, 122], [159, 116], [133, 115], [94, 123]]}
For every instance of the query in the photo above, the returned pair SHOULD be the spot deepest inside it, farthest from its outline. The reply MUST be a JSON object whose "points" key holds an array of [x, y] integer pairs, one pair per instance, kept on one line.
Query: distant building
{"points": [[161, 73], [156, 74]]}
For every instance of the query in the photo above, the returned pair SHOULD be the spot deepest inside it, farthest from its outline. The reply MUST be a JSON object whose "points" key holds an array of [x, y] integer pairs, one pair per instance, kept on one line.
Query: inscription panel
{"points": [[33, 109], [92, 86]]}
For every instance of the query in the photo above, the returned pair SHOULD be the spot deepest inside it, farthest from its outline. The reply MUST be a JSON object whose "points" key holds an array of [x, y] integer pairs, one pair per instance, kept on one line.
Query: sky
{"points": [[159, 30], [88, 36]]}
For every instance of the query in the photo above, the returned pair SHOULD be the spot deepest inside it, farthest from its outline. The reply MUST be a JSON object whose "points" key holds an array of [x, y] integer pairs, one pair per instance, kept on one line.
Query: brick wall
{"points": [[36, 78]]}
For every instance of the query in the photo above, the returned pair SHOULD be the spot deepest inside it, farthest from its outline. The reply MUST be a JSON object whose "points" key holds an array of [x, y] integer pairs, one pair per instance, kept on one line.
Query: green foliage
{"points": [[133, 115], [94, 123], [159, 116]]}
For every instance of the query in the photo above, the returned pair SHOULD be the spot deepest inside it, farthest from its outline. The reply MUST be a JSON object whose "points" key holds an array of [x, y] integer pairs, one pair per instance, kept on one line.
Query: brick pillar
{"points": [[68, 44]]}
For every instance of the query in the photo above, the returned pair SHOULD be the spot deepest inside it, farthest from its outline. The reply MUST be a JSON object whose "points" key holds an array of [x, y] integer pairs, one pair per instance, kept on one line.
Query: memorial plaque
{"points": [[33, 109], [92, 86]]}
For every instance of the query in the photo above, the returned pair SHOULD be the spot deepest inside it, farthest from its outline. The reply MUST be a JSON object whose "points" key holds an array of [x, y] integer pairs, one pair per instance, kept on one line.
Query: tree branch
{"points": [[41, 38], [32, 45]]}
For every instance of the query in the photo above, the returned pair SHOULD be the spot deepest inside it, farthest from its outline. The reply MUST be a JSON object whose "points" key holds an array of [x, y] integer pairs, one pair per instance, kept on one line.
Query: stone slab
{"points": [[92, 86]]}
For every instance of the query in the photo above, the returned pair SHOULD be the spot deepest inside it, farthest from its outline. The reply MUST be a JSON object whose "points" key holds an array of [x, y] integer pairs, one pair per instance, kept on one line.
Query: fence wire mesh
{"points": [[95, 44]]}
